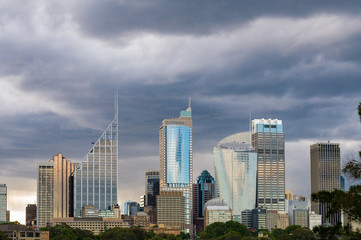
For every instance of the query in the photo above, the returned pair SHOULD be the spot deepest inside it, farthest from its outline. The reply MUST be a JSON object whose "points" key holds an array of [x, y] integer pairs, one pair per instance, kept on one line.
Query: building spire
{"points": [[116, 104], [189, 104]]}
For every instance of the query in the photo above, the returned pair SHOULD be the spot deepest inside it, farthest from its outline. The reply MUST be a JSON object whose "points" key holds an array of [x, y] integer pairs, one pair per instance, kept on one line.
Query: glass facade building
{"points": [[236, 174], [3, 202], [206, 191], [268, 141], [151, 188], [96, 177], [175, 152]]}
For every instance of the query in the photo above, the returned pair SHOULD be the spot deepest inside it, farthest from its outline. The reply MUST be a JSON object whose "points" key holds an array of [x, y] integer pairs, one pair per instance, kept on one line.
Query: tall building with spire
{"points": [[268, 141], [176, 161], [96, 177]]}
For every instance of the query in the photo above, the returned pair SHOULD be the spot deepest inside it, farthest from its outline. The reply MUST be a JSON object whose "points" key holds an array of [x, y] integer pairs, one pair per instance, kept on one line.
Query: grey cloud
{"points": [[109, 18]]}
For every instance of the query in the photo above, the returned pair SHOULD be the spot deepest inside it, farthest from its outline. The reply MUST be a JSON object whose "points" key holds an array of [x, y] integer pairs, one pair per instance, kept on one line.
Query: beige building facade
{"points": [[95, 225], [170, 209], [53, 194], [63, 168], [325, 175]]}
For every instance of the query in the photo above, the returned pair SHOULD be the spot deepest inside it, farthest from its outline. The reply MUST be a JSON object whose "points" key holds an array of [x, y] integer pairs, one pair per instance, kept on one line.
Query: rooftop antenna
{"points": [[189, 104], [250, 127], [116, 104]]}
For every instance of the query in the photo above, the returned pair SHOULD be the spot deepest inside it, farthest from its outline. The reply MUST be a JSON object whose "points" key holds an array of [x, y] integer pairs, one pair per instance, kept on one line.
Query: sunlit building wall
{"points": [[268, 141], [235, 174], [96, 177]]}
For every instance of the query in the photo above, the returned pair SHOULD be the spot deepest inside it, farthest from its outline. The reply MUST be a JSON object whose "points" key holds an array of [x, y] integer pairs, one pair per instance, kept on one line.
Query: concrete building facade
{"points": [[170, 210], [268, 141], [325, 175], [45, 194], [3, 202]]}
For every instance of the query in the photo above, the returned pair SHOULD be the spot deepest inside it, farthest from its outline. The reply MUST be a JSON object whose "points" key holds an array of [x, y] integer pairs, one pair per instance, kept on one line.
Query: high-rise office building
{"points": [[236, 175], [3, 202], [30, 215], [54, 189], [325, 175], [96, 177], [45, 194], [206, 191], [268, 140], [176, 160], [151, 188], [63, 169]]}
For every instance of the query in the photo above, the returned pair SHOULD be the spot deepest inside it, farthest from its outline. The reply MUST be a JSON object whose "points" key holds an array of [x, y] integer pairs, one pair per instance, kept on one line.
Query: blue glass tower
{"points": [[96, 177], [206, 190], [176, 160]]}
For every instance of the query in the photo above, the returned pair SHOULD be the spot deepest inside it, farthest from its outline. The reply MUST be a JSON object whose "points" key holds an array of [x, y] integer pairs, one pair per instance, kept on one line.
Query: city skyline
{"points": [[60, 66]]}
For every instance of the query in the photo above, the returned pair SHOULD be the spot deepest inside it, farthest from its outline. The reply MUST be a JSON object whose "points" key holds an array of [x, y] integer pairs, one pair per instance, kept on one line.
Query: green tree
{"points": [[278, 232], [215, 230], [292, 228], [303, 234], [62, 231], [118, 234], [237, 227], [3, 236]]}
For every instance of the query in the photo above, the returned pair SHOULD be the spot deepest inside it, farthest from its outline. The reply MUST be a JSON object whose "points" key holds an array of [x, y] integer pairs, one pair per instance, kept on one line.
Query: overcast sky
{"points": [[61, 61]]}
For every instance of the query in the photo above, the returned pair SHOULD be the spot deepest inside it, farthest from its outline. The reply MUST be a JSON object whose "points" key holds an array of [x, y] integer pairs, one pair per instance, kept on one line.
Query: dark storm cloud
{"points": [[109, 18]]}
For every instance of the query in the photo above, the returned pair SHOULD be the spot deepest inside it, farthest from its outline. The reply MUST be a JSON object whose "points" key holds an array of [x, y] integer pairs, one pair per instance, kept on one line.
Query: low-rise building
{"points": [[314, 220], [21, 232], [282, 221], [141, 219], [259, 218], [96, 225], [272, 219], [216, 210]]}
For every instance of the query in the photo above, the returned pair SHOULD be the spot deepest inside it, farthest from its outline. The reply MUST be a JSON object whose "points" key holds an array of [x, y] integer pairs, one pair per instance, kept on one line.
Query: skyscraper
{"points": [[176, 160], [63, 168], [206, 190], [235, 174], [96, 177], [3, 202], [54, 189], [268, 140], [151, 188], [45, 194], [325, 175]]}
